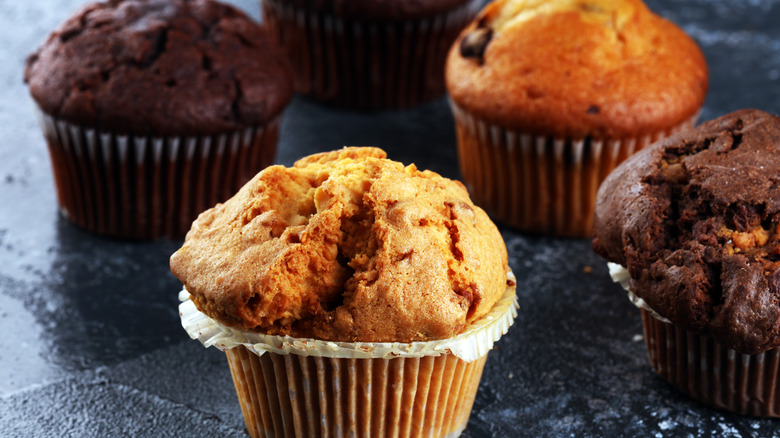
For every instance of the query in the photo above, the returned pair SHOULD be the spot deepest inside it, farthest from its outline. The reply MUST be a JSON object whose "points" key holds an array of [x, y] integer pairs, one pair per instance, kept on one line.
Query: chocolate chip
{"points": [[473, 45], [593, 109], [592, 8]]}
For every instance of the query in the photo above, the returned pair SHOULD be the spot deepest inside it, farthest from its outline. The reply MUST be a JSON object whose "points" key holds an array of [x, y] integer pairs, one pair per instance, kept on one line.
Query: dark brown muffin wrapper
{"points": [[293, 395], [711, 373], [148, 187], [539, 184], [366, 64]]}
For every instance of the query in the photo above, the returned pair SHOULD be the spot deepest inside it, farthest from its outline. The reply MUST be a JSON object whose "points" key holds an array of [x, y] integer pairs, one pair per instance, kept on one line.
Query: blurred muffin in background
{"points": [[358, 54]]}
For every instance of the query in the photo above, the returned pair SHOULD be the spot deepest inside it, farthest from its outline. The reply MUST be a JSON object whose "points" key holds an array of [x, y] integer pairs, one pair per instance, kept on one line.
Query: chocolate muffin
{"points": [[348, 255], [694, 221], [549, 96], [384, 54], [155, 110]]}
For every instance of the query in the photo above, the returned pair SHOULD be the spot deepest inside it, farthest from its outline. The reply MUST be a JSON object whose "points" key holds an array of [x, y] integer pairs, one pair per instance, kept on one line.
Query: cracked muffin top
{"points": [[575, 68], [345, 246], [160, 67], [695, 219]]}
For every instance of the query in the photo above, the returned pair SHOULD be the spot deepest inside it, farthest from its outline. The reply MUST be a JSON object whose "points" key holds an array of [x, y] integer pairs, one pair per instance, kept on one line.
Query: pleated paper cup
{"points": [[306, 387], [359, 64], [539, 184], [704, 369], [138, 187]]}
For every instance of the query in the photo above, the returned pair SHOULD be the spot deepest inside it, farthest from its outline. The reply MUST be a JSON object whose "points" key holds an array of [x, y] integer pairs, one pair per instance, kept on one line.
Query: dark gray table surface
{"points": [[90, 339]]}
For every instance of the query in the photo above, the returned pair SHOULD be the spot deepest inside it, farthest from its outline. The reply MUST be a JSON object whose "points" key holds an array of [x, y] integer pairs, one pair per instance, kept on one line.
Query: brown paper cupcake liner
{"points": [[366, 64], [704, 369], [306, 387], [539, 184], [148, 187], [711, 373]]}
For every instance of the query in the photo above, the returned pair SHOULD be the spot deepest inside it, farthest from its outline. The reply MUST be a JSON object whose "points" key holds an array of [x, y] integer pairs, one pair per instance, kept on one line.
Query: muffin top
{"points": [[695, 221], [160, 67], [378, 10], [576, 68], [345, 246]]}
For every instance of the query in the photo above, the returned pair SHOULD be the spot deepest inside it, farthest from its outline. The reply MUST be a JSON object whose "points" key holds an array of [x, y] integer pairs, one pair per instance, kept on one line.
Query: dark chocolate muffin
{"points": [[156, 110], [383, 54], [694, 220], [159, 67], [379, 10]]}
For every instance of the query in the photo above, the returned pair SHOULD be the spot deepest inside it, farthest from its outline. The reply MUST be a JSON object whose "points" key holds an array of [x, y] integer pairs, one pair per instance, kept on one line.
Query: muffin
{"points": [[691, 226], [384, 54], [351, 294], [549, 96], [156, 110]]}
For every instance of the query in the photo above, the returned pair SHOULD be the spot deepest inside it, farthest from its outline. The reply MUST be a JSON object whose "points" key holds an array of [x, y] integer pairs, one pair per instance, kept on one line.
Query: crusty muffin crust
{"points": [[160, 68], [695, 221], [346, 246], [576, 68]]}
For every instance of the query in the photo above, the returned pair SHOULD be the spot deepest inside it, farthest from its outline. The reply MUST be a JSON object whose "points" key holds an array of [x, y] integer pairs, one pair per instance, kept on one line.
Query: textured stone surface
{"points": [[92, 344]]}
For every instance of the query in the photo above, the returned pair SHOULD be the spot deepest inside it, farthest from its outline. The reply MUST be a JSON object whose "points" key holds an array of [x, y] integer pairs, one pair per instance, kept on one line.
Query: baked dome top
{"points": [[160, 68], [345, 246], [575, 68]]}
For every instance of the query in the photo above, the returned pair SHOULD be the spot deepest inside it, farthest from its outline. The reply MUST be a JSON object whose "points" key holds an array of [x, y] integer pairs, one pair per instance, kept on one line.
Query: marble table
{"points": [[90, 339]]}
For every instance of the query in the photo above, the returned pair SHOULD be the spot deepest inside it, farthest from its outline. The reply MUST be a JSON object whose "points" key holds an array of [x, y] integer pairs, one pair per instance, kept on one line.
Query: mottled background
{"points": [[90, 340]]}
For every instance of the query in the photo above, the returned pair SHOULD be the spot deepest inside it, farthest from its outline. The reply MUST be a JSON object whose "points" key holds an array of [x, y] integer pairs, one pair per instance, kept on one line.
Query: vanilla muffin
{"points": [[365, 253], [156, 110], [692, 226], [549, 96]]}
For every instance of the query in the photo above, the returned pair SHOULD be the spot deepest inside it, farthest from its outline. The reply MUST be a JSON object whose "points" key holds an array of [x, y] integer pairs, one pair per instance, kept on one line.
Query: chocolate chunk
{"points": [[591, 8], [473, 45]]}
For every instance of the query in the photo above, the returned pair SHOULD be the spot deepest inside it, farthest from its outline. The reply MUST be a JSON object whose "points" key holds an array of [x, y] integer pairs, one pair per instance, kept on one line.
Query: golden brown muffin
{"points": [[549, 96], [571, 68], [347, 246]]}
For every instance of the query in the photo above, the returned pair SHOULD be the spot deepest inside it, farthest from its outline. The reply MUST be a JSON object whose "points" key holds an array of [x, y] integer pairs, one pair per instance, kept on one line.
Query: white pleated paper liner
{"points": [[474, 343], [621, 276]]}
